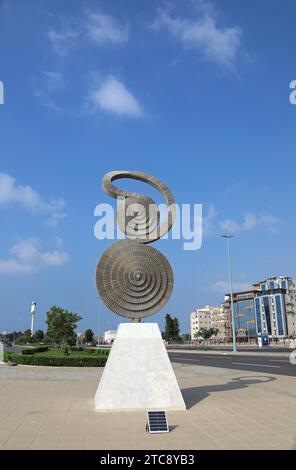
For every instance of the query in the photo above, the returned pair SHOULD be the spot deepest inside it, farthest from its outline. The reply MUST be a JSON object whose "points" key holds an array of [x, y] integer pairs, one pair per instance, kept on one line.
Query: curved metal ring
{"points": [[118, 193]]}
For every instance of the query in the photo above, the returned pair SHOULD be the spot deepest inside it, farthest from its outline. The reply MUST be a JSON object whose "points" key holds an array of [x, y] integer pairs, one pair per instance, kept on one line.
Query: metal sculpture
{"points": [[135, 280]]}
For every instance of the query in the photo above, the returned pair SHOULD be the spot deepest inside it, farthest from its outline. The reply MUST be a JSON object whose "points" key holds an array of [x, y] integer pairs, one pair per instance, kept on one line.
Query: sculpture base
{"points": [[138, 374]]}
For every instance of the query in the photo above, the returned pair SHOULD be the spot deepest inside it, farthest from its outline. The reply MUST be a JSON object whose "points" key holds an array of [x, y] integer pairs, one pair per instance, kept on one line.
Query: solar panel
{"points": [[157, 422]]}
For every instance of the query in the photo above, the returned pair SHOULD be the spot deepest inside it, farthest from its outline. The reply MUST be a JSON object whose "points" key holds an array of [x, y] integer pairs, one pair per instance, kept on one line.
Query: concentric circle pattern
{"points": [[134, 280], [138, 218]]}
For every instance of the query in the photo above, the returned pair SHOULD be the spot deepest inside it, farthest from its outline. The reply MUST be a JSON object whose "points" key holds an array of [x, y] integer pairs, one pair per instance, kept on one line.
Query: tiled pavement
{"points": [[52, 408]]}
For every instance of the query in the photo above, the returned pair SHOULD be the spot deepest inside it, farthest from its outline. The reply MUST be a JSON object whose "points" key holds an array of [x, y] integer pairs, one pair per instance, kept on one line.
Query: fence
{"points": [[288, 342]]}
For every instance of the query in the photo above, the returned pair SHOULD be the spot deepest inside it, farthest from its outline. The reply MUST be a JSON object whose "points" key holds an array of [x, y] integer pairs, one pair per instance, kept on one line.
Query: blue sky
{"points": [[193, 92]]}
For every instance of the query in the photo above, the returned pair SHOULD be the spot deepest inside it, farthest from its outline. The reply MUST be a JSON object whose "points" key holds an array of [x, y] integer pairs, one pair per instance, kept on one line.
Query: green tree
{"points": [[38, 336], [88, 336], [172, 329], [186, 337], [61, 326], [206, 333], [169, 328], [176, 324], [25, 337]]}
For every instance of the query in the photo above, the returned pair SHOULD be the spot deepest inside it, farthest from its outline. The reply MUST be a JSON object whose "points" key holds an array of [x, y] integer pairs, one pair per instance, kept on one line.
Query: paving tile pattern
{"points": [[52, 408]]}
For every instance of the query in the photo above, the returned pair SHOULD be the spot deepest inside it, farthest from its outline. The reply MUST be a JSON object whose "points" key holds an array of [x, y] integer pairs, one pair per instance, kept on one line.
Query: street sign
{"points": [[265, 340]]}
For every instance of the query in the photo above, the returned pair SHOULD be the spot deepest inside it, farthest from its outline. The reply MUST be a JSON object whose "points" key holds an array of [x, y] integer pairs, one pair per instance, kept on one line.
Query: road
{"points": [[271, 365], [239, 348]]}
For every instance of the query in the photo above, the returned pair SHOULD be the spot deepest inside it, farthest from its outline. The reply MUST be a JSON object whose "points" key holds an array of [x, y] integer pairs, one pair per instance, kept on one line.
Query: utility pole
{"points": [[228, 238]]}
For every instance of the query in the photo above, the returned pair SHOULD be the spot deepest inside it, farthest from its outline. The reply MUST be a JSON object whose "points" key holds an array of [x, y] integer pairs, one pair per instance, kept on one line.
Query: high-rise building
{"points": [[270, 308], [275, 305]]}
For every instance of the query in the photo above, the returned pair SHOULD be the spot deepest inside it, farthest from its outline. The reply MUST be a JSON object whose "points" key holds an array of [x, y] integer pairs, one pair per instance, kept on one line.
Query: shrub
{"points": [[62, 361], [76, 349], [31, 351]]}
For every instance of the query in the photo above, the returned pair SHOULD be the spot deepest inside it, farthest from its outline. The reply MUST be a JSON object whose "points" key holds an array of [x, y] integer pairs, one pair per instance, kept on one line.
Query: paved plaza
{"points": [[53, 408]]}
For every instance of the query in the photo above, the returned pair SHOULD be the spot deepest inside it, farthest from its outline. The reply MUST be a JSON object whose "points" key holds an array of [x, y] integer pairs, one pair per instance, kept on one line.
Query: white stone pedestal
{"points": [[138, 374]]}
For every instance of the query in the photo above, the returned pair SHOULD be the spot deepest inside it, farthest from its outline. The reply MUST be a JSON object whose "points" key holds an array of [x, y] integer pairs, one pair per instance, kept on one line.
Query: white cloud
{"points": [[48, 84], [28, 257], [11, 267], [97, 27], [219, 45], [213, 225], [250, 222], [62, 41], [112, 96], [26, 196], [53, 80], [223, 286], [103, 28], [208, 222]]}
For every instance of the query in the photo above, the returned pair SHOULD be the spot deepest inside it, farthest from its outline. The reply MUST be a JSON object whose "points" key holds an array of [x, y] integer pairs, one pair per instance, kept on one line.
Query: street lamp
{"points": [[33, 313], [228, 237]]}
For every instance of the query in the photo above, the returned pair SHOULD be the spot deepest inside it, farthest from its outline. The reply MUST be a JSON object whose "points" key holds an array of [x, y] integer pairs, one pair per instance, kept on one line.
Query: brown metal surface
{"points": [[150, 231], [134, 280]]}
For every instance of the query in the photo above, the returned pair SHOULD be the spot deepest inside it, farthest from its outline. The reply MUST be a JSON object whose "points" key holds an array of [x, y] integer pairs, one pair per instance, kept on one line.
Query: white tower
{"points": [[33, 312]]}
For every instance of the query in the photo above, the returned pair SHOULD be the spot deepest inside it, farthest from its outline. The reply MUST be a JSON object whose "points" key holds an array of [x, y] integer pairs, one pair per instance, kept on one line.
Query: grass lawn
{"points": [[86, 352]]}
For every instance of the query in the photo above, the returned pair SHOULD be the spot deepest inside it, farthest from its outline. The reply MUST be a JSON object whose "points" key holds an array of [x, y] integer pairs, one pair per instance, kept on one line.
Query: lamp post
{"points": [[33, 313], [228, 238]]}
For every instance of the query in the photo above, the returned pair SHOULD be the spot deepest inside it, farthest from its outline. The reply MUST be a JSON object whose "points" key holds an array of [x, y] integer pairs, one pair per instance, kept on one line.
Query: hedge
{"points": [[66, 361], [31, 351]]}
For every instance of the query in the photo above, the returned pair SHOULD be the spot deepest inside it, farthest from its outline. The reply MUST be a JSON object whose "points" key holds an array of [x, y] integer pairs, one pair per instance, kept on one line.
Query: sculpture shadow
{"points": [[194, 395]]}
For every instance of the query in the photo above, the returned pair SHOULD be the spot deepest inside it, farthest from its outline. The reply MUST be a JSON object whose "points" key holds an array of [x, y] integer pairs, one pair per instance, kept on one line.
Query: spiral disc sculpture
{"points": [[133, 279]]}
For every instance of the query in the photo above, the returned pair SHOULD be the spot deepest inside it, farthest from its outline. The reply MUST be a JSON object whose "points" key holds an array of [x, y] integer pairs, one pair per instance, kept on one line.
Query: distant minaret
{"points": [[33, 312]]}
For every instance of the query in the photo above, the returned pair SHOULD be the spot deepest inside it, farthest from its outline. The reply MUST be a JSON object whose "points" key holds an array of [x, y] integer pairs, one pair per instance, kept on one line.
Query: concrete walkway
{"points": [[52, 408]]}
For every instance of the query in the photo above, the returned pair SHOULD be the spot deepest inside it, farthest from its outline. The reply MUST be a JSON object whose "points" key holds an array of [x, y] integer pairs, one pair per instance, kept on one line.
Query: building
{"points": [[200, 318], [80, 337], [244, 313], [275, 304], [220, 320], [109, 336], [210, 317], [270, 307]]}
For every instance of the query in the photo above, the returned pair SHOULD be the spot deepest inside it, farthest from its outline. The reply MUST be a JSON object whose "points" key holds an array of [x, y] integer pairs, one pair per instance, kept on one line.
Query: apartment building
{"points": [[220, 320], [207, 317], [200, 318]]}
